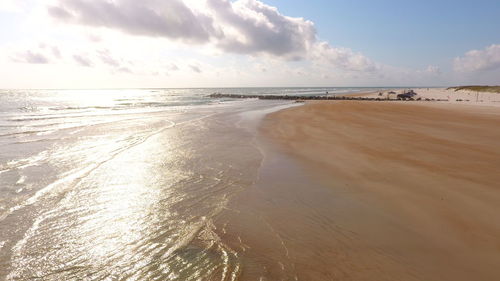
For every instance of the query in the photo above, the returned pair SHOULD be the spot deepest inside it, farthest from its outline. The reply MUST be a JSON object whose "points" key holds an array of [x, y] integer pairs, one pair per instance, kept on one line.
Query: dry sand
{"points": [[426, 174], [451, 96]]}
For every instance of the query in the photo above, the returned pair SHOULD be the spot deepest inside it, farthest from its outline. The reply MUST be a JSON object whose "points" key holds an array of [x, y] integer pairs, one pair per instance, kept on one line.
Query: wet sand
{"points": [[373, 191]]}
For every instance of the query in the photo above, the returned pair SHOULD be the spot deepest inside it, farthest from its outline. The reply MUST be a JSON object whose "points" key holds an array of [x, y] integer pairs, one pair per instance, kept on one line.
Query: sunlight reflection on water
{"points": [[120, 184], [141, 213]]}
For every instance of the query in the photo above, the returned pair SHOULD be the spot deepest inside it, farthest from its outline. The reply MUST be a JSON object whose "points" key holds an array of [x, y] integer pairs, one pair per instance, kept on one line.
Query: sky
{"points": [[248, 43]]}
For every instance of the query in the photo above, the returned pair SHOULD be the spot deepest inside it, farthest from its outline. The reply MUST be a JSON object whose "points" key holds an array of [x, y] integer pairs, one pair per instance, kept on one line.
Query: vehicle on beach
{"points": [[407, 95]]}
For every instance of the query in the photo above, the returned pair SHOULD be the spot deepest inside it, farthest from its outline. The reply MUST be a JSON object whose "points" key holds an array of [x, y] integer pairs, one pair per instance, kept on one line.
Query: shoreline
{"points": [[424, 174]]}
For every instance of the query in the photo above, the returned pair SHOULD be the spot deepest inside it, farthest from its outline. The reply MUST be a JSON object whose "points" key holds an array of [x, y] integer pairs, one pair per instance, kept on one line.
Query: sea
{"points": [[134, 184]]}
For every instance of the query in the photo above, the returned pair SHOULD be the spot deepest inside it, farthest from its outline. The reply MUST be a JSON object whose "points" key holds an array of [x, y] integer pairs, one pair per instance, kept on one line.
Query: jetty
{"points": [[320, 97]]}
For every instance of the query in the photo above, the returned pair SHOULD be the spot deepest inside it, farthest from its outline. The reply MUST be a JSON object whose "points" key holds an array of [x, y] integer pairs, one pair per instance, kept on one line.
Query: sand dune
{"points": [[433, 169]]}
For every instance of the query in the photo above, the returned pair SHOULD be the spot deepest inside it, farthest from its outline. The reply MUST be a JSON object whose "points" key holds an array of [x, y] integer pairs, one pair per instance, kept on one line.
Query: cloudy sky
{"points": [[222, 43]]}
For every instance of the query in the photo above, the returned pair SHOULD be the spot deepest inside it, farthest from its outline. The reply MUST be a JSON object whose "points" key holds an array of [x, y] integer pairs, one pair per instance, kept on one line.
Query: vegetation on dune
{"points": [[490, 89]]}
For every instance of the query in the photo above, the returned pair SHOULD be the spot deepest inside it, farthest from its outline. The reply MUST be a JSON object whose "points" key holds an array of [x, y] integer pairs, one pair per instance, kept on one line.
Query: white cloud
{"points": [[173, 67], [107, 58], [343, 58], [40, 54], [479, 60], [124, 69], [94, 38], [83, 60], [195, 68], [247, 27], [56, 52], [433, 70], [157, 18], [252, 27], [32, 57]]}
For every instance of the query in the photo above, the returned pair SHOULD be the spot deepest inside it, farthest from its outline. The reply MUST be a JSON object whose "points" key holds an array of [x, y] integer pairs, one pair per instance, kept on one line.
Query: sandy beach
{"points": [[425, 175], [451, 96], [249, 140]]}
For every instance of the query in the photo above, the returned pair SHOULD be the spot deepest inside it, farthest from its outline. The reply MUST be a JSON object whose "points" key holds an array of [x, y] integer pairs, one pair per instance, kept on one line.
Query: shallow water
{"points": [[105, 192], [132, 185]]}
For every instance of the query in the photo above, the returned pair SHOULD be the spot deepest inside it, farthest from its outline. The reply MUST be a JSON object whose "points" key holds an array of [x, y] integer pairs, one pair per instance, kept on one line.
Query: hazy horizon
{"points": [[215, 88]]}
